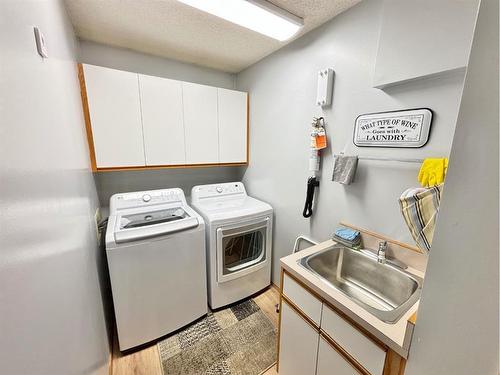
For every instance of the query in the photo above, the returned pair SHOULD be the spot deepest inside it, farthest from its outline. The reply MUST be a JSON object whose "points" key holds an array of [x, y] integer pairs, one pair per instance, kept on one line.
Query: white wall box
{"points": [[162, 121], [115, 115], [325, 85], [136, 121], [298, 344], [423, 38], [232, 106]]}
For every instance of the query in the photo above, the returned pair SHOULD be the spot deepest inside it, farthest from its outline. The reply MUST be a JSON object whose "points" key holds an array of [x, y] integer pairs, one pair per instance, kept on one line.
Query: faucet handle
{"points": [[382, 246]]}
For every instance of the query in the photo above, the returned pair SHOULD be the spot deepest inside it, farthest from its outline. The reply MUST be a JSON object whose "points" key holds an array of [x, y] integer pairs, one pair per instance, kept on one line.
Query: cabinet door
{"points": [[298, 344], [200, 123], [232, 107], [115, 116], [162, 120], [331, 362], [423, 38], [360, 347]]}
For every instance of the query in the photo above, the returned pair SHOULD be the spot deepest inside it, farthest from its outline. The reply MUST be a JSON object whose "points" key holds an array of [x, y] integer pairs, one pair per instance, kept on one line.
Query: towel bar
{"points": [[402, 160]]}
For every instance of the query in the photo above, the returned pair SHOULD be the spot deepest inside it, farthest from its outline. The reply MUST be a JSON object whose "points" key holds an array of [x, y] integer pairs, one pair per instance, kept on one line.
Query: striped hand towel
{"points": [[420, 208]]}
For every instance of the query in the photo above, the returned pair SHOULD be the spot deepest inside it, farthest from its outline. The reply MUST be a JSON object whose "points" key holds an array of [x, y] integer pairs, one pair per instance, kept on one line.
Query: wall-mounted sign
{"points": [[408, 128]]}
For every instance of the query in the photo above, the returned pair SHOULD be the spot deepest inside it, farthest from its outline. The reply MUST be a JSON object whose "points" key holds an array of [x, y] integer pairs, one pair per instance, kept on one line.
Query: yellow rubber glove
{"points": [[433, 171]]}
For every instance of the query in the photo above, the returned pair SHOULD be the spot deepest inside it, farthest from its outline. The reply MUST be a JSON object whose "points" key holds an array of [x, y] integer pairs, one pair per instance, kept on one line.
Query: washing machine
{"points": [[239, 241], [155, 246]]}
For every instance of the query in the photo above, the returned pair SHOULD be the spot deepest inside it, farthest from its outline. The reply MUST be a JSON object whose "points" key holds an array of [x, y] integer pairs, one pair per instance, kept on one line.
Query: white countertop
{"points": [[396, 336]]}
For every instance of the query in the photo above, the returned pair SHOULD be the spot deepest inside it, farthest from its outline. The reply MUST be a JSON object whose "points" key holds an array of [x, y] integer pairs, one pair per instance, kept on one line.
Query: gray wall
{"points": [[109, 183], [125, 59], [457, 327], [51, 310], [282, 103]]}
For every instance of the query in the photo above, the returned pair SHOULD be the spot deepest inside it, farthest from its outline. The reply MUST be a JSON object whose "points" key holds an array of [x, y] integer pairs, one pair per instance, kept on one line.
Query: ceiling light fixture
{"points": [[257, 15]]}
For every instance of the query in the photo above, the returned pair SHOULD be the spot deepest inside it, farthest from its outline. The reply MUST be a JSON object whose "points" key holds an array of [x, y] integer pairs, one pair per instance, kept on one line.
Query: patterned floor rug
{"points": [[237, 340]]}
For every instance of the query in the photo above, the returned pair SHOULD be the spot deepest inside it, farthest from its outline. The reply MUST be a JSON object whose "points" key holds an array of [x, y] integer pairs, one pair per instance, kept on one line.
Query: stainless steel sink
{"points": [[382, 289]]}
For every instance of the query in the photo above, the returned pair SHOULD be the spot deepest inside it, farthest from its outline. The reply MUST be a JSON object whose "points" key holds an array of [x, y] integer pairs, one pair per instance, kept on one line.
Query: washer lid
{"points": [[143, 219], [147, 224]]}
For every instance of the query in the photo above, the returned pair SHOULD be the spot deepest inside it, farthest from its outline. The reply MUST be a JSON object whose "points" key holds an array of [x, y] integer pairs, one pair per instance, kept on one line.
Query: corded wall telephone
{"points": [[318, 142]]}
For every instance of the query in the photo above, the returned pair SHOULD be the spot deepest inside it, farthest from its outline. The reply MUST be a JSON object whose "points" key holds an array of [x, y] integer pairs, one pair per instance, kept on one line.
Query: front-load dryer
{"points": [[155, 246], [239, 241]]}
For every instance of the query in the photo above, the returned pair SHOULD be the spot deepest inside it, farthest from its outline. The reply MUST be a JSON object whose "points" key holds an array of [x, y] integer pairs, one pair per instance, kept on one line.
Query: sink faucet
{"points": [[382, 247]]}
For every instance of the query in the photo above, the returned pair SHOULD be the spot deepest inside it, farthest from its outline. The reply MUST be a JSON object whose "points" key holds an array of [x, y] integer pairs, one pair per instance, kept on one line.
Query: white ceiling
{"points": [[177, 31]]}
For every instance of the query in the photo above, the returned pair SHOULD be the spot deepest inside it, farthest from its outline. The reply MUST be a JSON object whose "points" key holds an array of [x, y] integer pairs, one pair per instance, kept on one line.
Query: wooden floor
{"points": [[147, 360]]}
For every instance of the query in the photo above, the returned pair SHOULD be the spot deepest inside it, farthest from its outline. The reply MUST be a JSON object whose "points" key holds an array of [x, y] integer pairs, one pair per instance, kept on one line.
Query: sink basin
{"points": [[381, 289]]}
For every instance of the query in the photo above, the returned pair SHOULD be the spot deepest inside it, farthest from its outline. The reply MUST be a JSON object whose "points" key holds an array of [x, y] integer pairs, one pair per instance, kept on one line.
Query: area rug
{"points": [[237, 340]]}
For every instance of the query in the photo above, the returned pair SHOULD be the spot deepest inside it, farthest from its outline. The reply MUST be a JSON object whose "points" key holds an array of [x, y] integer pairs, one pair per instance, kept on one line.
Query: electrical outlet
{"points": [[97, 220]]}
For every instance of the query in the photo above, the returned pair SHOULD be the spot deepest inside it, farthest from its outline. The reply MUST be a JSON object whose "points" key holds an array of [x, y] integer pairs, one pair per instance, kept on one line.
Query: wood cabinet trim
{"points": [[248, 128], [394, 364], [355, 325], [345, 354], [86, 115], [413, 319], [282, 275], [177, 166], [384, 238]]}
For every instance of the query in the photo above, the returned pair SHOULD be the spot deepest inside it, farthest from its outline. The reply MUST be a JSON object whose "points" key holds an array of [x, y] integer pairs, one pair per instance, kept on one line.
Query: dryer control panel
{"points": [[217, 190]]}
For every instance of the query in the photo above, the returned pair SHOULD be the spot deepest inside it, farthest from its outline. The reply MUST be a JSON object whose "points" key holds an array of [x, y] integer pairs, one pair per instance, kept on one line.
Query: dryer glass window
{"points": [[243, 250]]}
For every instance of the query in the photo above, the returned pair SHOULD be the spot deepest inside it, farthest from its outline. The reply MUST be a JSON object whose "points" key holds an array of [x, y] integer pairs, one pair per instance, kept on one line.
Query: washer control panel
{"points": [[142, 198], [218, 190]]}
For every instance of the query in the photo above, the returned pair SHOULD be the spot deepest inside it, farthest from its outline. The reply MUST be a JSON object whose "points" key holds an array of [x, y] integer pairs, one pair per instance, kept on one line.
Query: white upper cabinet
{"points": [[232, 106], [115, 117], [162, 120], [200, 123], [423, 38], [142, 121]]}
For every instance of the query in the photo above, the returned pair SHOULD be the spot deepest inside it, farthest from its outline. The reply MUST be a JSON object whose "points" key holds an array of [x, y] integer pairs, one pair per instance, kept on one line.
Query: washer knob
{"points": [[219, 189], [146, 197]]}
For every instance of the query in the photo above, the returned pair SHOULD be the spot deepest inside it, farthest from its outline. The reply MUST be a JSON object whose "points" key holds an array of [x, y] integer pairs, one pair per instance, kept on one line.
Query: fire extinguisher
{"points": [[318, 142]]}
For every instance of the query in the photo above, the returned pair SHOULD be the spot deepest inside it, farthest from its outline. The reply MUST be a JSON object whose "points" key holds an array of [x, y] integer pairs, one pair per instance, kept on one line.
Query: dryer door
{"points": [[242, 248]]}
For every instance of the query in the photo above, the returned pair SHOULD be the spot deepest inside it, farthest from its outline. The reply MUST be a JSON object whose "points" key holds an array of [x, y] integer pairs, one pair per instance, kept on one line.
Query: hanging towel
{"points": [[433, 171], [420, 208], [344, 169]]}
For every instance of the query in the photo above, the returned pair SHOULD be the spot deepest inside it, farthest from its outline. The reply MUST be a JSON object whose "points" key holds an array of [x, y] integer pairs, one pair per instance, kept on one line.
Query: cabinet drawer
{"points": [[361, 348], [331, 362], [304, 300]]}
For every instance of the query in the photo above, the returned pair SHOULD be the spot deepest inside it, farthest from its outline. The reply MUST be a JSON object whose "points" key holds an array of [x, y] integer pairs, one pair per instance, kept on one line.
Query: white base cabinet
{"points": [[298, 344], [315, 339], [331, 362]]}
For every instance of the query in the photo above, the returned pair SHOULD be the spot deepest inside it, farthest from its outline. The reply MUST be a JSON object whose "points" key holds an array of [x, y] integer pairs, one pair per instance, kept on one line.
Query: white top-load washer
{"points": [[155, 246], [239, 238]]}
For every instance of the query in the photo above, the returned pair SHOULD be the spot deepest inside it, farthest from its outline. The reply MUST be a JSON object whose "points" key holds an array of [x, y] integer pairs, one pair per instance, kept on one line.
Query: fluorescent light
{"points": [[257, 15]]}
